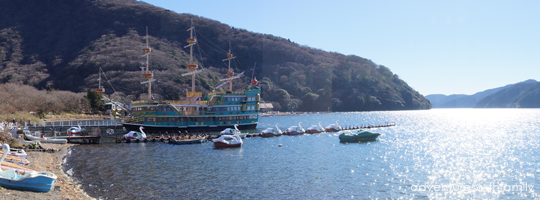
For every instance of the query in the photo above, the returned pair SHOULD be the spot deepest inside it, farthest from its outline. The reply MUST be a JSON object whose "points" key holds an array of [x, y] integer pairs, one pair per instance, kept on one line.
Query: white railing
{"points": [[82, 123]]}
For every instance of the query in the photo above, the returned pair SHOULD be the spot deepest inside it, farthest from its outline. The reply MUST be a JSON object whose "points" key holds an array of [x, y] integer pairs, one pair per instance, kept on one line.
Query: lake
{"points": [[439, 153]]}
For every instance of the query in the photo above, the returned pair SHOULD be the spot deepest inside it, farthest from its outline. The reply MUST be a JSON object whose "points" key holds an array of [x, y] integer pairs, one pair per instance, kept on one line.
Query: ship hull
{"points": [[220, 145], [158, 128]]}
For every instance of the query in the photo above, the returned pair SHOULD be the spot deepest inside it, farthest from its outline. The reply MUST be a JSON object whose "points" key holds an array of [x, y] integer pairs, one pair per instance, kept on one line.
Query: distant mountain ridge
{"points": [[519, 95], [466, 101]]}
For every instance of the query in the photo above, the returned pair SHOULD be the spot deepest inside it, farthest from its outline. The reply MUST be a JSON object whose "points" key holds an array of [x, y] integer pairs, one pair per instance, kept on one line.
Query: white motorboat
{"points": [[44, 139]]}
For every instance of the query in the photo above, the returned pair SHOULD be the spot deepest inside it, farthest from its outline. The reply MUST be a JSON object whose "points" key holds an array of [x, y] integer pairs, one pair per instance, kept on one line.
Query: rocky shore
{"points": [[64, 186]]}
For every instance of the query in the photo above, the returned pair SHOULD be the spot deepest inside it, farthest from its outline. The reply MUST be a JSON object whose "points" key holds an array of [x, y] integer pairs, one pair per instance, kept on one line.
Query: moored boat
{"points": [[16, 159], [18, 152], [315, 129], [134, 135], [229, 131], [295, 130], [357, 135], [44, 139], [228, 141], [33, 181], [333, 127], [215, 112], [75, 131], [189, 141], [270, 132]]}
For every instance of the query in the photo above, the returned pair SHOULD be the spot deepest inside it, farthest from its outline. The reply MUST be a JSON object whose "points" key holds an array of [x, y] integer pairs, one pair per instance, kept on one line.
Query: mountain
{"points": [[520, 95], [465, 101], [62, 44], [438, 99]]}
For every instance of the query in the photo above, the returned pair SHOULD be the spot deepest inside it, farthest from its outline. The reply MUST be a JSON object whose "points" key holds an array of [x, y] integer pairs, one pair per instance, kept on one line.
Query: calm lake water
{"points": [[440, 153]]}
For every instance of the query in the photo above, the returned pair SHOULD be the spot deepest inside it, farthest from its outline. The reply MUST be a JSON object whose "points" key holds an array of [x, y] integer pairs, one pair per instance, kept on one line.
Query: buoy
{"points": [[279, 145]]}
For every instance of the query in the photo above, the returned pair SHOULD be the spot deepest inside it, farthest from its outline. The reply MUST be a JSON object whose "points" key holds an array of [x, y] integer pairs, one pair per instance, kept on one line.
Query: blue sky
{"points": [[437, 47]]}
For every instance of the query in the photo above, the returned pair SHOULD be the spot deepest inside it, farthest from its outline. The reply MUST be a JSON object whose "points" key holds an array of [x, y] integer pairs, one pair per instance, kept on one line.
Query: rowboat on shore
{"points": [[15, 159], [45, 139], [19, 152], [32, 181]]}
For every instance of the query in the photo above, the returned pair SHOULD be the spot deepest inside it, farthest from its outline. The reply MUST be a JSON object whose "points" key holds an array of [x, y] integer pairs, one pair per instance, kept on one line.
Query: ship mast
{"points": [[191, 66], [147, 74], [230, 73]]}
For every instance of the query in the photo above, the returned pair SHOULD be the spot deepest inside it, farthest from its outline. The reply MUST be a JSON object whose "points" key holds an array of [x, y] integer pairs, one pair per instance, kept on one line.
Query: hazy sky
{"points": [[437, 47]]}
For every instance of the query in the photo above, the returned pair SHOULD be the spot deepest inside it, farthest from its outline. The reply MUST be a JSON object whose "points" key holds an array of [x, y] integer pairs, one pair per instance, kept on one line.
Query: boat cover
{"points": [[356, 134]]}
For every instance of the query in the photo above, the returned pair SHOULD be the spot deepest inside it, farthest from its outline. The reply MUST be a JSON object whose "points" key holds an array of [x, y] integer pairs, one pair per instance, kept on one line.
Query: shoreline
{"points": [[64, 187]]}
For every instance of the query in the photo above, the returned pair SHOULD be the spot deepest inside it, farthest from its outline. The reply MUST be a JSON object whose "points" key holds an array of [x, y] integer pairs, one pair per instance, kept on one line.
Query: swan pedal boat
{"points": [[295, 130], [270, 132], [16, 159], [229, 131], [134, 135], [229, 141], [333, 127]]}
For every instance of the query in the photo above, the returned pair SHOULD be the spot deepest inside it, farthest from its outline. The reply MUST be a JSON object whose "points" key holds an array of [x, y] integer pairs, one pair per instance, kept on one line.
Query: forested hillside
{"points": [[62, 44], [466, 101], [520, 95]]}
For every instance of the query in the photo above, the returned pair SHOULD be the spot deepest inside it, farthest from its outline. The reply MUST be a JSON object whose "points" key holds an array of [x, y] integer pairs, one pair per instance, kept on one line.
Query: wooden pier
{"points": [[352, 127]]}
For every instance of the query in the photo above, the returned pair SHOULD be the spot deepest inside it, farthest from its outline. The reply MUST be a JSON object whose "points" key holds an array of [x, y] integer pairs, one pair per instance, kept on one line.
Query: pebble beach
{"points": [[64, 186]]}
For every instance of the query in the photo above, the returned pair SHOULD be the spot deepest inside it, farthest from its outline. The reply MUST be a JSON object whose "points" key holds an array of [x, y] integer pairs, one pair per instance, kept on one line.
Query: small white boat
{"points": [[18, 152], [27, 142], [33, 181], [44, 139], [229, 141]]}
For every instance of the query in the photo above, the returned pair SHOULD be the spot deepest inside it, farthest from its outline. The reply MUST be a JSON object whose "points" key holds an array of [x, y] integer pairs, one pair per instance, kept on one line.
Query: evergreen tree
{"points": [[96, 104]]}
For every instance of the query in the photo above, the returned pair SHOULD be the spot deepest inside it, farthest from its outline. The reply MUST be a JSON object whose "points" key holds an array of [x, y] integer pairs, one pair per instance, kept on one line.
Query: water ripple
{"points": [[482, 149]]}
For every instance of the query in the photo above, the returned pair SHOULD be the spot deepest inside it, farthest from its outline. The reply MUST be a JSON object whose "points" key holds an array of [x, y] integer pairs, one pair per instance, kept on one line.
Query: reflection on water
{"points": [[443, 153]]}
